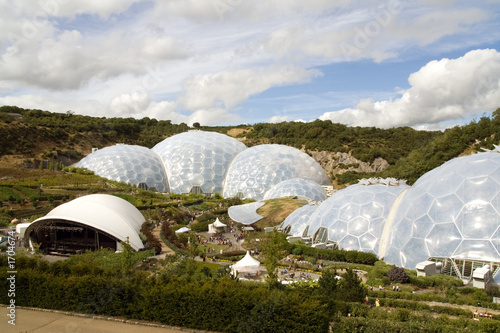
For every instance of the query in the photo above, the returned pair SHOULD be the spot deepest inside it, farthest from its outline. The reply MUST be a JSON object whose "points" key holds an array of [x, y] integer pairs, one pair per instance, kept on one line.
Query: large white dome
{"points": [[355, 217], [452, 211], [256, 170], [128, 164], [297, 187], [197, 158]]}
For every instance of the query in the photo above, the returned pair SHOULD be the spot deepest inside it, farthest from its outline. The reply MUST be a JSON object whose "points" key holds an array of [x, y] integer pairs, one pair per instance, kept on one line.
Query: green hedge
{"points": [[355, 257], [223, 306]]}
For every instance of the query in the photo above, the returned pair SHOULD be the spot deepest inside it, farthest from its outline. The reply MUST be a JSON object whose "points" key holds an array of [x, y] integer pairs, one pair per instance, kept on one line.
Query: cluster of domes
{"points": [[452, 212], [211, 162]]}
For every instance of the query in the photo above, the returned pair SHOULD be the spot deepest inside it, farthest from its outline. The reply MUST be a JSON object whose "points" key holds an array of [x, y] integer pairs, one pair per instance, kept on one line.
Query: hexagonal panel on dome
{"points": [[453, 207], [297, 187], [198, 158], [128, 163], [480, 188], [368, 242], [453, 181], [477, 220], [269, 165], [349, 243], [358, 226], [443, 239], [415, 252], [337, 231], [465, 218], [421, 227]]}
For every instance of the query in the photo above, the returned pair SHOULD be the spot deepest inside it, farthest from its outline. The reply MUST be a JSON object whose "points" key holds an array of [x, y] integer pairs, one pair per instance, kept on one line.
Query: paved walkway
{"points": [[165, 250], [42, 321]]}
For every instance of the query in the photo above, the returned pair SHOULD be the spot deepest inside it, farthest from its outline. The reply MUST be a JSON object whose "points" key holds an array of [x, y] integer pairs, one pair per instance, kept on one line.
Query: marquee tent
{"points": [[246, 265], [212, 228]]}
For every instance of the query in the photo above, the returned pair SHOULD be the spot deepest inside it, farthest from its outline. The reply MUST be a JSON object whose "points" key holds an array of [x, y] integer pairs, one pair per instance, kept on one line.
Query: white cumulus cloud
{"points": [[229, 88], [444, 90]]}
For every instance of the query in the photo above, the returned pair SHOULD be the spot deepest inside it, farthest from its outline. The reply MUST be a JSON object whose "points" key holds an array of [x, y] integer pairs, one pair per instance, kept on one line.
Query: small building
{"points": [[481, 276], [426, 268]]}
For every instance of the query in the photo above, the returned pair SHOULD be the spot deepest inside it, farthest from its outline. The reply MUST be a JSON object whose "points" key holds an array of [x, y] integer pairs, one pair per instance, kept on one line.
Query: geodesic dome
{"points": [[256, 170], [129, 164], [355, 217], [297, 222], [452, 211], [197, 158], [297, 187]]}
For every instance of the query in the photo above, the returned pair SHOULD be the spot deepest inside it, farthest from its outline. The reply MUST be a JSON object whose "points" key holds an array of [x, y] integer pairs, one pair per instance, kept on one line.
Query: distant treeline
{"points": [[410, 153]]}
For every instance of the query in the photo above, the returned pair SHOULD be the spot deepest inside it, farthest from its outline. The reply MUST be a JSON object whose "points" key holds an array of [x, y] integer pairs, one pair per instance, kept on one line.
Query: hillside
{"points": [[29, 138]]}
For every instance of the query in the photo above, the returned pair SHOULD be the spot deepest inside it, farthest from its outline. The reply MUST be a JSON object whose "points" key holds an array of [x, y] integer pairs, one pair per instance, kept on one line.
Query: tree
{"points": [[196, 125], [328, 284], [351, 287], [274, 251]]}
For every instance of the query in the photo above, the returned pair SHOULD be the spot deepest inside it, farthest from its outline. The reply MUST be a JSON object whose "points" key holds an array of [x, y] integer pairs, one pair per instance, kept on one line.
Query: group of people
{"points": [[219, 240]]}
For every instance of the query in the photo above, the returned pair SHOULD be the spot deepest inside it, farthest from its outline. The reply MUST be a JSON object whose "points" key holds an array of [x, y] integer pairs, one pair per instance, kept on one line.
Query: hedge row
{"points": [[224, 305], [355, 257]]}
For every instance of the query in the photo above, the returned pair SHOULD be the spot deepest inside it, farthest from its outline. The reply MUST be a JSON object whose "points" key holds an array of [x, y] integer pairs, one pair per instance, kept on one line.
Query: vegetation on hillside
{"points": [[64, 138]]}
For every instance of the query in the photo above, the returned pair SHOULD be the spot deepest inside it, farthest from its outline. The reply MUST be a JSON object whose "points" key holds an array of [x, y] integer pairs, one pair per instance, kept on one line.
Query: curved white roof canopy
{"points": [[108, 213], [247, 213]]}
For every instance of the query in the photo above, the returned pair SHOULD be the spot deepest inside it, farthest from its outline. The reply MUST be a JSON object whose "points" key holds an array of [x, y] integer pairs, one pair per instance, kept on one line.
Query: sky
{"points": [[428, 64]]}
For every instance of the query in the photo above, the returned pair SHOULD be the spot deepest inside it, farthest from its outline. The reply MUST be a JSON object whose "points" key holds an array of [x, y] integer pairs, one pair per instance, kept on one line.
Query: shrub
{"points": [[398, 274]]}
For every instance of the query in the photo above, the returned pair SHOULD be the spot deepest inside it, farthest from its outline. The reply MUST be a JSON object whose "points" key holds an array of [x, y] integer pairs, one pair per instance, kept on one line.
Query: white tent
{"points": [[182, 230], [219, 224], [246, 265], [212, 228]]}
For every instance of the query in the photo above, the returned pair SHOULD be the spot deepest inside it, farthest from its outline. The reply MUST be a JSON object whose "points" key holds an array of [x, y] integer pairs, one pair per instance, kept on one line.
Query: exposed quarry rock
{"points": [[337, 162]]}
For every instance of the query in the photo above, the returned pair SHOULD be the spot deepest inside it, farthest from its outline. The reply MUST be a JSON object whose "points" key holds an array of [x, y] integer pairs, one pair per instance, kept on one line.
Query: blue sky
{"points": [[425, 64]]}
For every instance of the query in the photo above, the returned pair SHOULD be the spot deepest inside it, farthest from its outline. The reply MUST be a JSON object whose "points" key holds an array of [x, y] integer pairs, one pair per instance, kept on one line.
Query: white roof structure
{"points": [[247, 213], [246, 265], [21, 227], [218, 224], [108, 213], [182, 230]]}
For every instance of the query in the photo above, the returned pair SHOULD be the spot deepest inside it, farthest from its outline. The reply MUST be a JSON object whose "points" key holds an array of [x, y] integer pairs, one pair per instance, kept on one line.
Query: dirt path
{"points": [[165, 250]]}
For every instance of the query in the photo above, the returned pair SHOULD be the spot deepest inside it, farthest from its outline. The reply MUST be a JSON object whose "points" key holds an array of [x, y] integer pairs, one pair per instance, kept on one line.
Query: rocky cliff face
{"points": [[337, 163]]}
